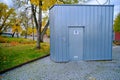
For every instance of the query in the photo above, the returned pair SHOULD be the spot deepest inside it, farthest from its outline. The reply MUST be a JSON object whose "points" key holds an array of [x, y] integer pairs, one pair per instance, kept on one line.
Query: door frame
{"points": [[68, 39]]}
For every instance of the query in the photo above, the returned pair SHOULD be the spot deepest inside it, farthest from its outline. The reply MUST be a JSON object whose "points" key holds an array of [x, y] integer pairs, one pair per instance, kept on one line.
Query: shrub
{"points": [[15, 40], [13, 43], [2, 40]]}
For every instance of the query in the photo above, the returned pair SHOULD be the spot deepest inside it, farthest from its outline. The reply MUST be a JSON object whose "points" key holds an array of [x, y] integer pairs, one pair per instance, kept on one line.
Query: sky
{"points": [[116, 4], [8, 2]]}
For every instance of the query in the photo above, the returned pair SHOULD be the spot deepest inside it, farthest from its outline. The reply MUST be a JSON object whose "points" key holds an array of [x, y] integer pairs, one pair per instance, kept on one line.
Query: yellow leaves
{"points": [[43, 23], [30, 31], [35, 2], [48, 32], [3, 6], [59, 2], [16, 28], [7, 15], [12, 11], [18, 21], [5, 11], [47, 4]]}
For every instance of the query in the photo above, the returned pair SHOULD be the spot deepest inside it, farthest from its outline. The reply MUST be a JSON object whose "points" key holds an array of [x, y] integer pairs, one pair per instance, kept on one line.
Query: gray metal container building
{"points": [[81, 32]]}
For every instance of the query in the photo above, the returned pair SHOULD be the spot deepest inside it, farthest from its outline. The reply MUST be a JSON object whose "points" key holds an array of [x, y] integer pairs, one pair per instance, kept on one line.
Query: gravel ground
{"points": [[45, 69]]}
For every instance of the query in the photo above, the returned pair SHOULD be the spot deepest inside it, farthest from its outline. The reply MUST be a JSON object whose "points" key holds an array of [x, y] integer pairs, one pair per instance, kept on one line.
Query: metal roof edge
{"points": [[77, 5]]}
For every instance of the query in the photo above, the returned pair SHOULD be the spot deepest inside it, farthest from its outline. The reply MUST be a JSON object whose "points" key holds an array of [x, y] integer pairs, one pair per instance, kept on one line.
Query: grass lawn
{"points": [[12, 54]]}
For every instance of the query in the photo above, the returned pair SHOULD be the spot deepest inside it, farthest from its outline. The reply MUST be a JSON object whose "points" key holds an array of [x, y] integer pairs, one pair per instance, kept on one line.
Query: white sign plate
{"points": [[76, 32]]}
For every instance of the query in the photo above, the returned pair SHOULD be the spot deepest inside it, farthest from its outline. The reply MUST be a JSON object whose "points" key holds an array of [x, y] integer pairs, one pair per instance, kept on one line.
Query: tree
{"points": [[45, 24], [37, 8], [22, 12], [117, 23], [16, 28], [43, 5], [30, 30], [38, 22], [6, 17], [24, 22]]}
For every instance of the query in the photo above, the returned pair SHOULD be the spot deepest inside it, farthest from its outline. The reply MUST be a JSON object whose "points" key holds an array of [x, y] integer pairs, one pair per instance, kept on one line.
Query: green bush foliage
{"points": [[18, 40], [117, 23]]}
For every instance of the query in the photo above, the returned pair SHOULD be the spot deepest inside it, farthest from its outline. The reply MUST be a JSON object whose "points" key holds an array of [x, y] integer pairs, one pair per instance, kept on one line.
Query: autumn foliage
{"points": [[7, 16]]}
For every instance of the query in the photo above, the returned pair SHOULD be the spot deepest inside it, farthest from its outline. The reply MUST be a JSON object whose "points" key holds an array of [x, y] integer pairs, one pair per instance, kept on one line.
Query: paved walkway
{"points": [[45, 69]]}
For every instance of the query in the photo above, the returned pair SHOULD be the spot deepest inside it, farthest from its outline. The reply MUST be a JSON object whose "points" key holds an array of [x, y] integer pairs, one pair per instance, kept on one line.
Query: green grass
{"points": [[13, 55]]}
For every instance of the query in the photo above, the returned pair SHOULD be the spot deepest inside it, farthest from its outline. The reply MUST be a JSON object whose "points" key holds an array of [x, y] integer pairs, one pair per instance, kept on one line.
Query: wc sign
{"points": [[76, 32]]}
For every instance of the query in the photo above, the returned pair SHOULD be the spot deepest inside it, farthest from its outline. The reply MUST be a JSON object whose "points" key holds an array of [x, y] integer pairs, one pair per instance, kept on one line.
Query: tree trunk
{"points": [[44, 30], [38, 40], [38, 22], [13, 34], [26, 29], [1, 32], [33, 8], [32, 27], [17, 35], [39, 25], [33, 32], [25, 34]]}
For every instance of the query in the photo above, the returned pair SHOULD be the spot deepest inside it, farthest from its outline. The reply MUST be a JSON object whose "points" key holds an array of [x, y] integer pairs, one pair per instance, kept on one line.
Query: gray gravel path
{"points": [[45, 69]]}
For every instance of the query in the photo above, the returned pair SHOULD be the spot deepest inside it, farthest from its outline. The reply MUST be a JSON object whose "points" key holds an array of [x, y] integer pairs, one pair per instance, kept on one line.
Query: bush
{"points": [[2, 39], [14, 43], [18, 40]]}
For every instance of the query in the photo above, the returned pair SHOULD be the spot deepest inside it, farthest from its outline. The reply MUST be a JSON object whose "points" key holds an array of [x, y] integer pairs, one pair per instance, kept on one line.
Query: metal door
{"points": [[76, 43]]}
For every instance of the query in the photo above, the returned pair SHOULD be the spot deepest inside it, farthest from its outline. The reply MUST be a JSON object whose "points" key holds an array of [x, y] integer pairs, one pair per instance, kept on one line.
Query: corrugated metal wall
{"points": [[97, 20]]}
